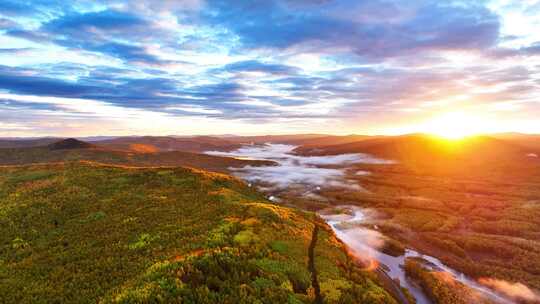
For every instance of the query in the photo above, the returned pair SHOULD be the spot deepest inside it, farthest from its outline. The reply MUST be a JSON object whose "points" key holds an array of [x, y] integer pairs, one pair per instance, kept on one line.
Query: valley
{"points": [[423, 231], [269, 152], [404, 210], [334, 180]]}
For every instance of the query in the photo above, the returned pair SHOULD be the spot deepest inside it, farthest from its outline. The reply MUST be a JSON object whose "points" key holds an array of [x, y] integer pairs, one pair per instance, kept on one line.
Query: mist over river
{"points": [[364, 243], [314, 173], [293, 170]]}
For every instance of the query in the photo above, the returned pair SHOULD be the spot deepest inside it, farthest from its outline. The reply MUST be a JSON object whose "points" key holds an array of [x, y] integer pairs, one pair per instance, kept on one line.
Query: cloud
{"points": [[7, 127], [524, 51], [29, 35], [111, 32], [533, 49], [11, 8], [37, 85], [15, 51], [17, 105], [38, 9], [257, 66], [78, 25], [152, 93], [424, 26], [124, 51], [336, 66], [102, 32], [151, 7], [7, 23]]}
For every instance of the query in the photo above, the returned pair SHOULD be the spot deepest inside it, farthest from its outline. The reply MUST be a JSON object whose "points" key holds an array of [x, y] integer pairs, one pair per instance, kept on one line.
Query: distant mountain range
{"points": [[425, 145], [412, 148], [73, 150]]}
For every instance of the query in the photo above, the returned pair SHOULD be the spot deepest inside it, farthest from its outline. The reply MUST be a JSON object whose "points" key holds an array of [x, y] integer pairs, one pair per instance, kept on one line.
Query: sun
{"points": [[454, 125]]}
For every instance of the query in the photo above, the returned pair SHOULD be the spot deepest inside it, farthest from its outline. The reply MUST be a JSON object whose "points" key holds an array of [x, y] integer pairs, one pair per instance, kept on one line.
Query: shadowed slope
{"points": [[170, 143], [25, 143], [70, 143], [72, 150]]}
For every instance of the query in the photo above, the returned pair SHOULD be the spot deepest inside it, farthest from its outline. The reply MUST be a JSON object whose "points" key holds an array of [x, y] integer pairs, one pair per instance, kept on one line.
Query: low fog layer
{"points": [[295, 169], [516, 291], [366, 244], [363, 173]]}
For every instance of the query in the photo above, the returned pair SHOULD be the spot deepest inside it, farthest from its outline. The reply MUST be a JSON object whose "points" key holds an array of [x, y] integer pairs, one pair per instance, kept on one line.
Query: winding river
{"points": [[311, 173], [347, 229]]}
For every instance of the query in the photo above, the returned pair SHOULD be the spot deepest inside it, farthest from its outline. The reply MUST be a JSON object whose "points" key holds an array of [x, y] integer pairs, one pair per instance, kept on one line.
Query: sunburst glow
{"points": [[456, 125]]}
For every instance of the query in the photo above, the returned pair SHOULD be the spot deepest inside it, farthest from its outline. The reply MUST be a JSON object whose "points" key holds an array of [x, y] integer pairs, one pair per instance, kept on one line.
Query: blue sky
{"points": [[78, 68]]}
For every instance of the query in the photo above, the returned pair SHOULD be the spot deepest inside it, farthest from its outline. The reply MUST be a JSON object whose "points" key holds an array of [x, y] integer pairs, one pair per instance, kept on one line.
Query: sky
{"points": [[82, 68]]}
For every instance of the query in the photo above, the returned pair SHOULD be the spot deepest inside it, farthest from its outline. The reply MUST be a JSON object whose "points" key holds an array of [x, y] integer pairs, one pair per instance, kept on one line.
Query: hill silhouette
{"points": [[69, 144]]}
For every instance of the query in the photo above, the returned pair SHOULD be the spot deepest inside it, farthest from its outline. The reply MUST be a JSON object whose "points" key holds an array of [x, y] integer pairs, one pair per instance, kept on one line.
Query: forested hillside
{"points": [[84, 232]]}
